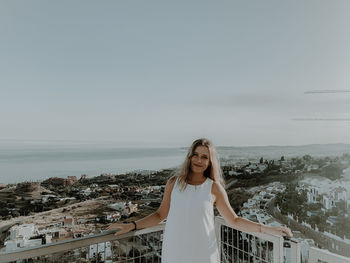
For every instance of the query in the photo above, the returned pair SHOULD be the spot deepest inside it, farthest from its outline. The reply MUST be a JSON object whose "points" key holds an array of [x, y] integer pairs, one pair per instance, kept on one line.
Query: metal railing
{"points": [[145, 246], [139, 246], [238, 246], [292, 251]]}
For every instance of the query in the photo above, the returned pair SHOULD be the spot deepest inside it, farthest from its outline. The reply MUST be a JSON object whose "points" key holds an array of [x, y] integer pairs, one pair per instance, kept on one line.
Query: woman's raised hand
{"points": [[277, 230], [124, 228]]}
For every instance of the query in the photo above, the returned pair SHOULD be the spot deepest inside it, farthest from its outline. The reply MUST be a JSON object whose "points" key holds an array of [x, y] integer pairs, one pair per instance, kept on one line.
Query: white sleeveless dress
{"points": [[189, 235]]}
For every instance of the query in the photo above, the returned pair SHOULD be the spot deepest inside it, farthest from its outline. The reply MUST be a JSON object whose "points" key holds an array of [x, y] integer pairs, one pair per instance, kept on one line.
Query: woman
{"points": [[187, 204]]}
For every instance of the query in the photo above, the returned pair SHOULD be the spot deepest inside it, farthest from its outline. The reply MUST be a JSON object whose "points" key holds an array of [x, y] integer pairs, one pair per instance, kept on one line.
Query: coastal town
{"points": [[308, 194]]}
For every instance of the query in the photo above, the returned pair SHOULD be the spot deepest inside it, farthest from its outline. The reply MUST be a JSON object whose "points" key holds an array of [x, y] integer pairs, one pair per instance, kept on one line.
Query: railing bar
{"points": [[126, 249], [232, 249], [100, 254], [256, 247], [148, 244], [245, 246], [248, 243], [260, 249], [248, 248], [228, 230], [237, 242], [220, 239], [134, 239], [96, 252], [224, 243], [104, 251], [233, 244]]}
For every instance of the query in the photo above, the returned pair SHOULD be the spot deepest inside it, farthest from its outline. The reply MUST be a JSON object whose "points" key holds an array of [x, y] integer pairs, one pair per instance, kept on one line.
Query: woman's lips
{"points": [[197, 165]]}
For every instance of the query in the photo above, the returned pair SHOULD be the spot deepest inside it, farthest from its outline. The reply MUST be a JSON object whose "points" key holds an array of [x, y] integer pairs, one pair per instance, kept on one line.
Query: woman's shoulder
{"points": [[170, 184], [217, 191], [217, 188], [172, 179]]}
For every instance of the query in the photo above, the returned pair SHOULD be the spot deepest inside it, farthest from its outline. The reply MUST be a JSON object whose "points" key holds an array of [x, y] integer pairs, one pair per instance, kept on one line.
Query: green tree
{"points": [[307, 158], [342, 226], [291, 201], [332, 171]]}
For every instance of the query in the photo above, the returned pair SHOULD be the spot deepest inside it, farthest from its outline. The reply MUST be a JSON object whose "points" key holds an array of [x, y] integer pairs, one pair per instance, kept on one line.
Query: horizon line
{"points": [[326, 91], [165, 146]]}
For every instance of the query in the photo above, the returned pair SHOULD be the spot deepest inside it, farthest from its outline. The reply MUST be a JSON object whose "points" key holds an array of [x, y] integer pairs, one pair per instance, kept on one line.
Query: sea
{"points": [[36, 161]]}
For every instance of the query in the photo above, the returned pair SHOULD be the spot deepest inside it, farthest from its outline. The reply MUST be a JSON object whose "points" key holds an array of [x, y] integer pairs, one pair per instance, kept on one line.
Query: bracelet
{"points": [[134, 224]]}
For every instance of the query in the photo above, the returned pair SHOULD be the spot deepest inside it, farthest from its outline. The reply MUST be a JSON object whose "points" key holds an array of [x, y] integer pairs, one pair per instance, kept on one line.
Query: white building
{"points": [[326, 191], [25, 231], [145, 192], [312, 194], [17, 243], [119, 206], [87, 191], [130, 208], [20, 237], [69, 221], [250, 203], [45, 198], [340, 193], [327, 202], [156, 188], [312, 167]]}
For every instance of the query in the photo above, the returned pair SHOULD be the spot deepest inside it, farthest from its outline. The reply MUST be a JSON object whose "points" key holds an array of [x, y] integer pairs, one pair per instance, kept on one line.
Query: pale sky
{"points": [[162, 73]]}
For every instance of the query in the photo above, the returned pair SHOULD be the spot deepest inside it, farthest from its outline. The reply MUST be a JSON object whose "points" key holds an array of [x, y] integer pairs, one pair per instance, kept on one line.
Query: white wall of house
{"points": [[14, 244], [25, 230]]}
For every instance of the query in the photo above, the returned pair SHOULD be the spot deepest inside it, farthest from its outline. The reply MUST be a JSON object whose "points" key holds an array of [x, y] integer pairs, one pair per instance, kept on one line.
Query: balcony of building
{"points": [[145, 246]]}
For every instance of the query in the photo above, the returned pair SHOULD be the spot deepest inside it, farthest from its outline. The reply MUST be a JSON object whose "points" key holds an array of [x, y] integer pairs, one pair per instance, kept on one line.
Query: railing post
{"points": [[295, 252], [278, 251]]}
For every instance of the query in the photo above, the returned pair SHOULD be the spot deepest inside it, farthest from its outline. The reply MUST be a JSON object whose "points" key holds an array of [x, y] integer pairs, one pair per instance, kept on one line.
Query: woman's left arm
{"points": [[226, 211]]}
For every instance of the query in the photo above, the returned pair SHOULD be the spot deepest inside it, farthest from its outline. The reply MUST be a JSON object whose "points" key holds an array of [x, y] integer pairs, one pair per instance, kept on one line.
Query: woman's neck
{"points": [[196, 177]]}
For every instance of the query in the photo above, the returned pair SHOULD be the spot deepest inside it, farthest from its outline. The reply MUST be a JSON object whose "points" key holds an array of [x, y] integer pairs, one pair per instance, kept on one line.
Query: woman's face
{"points": [[200, 159]]}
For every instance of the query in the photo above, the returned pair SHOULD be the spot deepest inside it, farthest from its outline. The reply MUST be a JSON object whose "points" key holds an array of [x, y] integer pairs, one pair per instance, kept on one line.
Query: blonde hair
{"points": [[213, 171]]}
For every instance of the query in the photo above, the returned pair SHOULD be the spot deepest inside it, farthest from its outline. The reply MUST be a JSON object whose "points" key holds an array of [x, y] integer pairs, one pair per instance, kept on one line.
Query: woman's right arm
{"points": [[152, 219]]}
